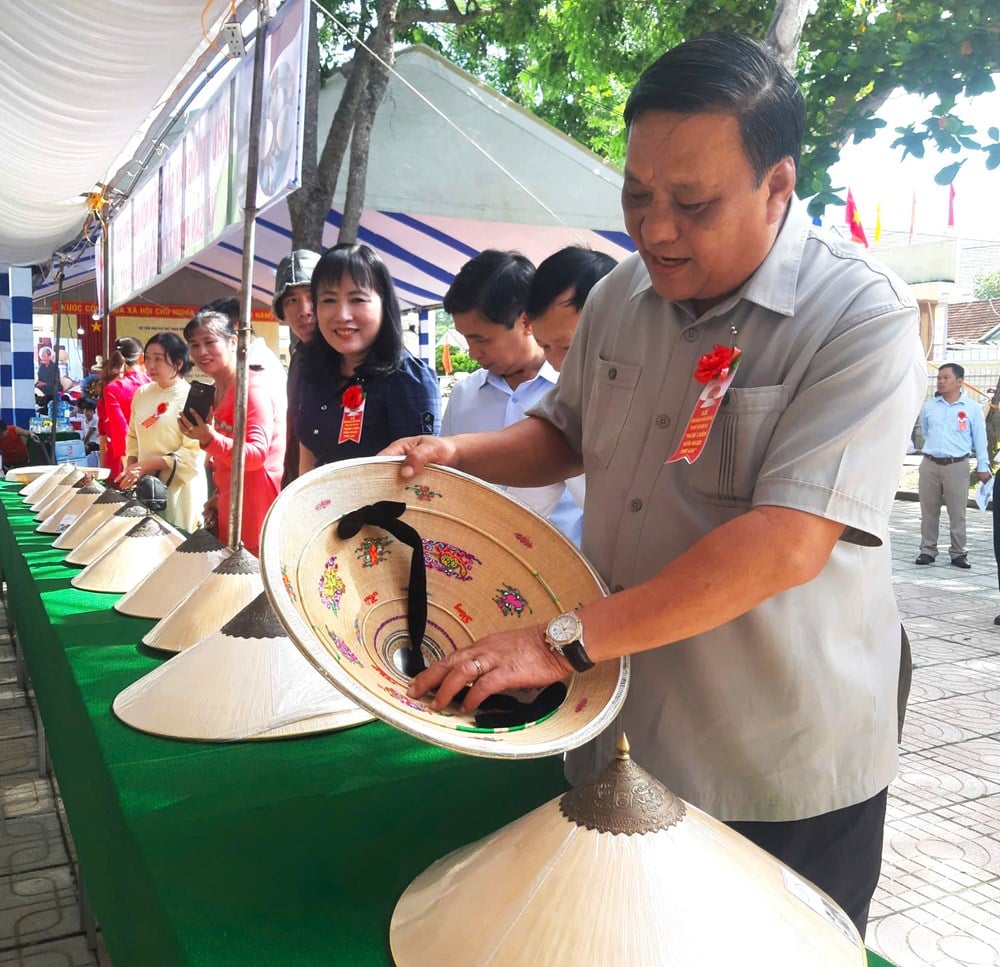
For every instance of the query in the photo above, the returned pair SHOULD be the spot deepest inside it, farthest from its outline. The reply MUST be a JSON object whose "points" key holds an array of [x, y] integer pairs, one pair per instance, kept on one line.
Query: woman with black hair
{"points": [[126, 359], [154, 444], [360, 388]]}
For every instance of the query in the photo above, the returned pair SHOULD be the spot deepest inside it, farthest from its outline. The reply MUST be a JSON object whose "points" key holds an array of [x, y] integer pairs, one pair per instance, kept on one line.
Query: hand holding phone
{"points": [[200, 400]]}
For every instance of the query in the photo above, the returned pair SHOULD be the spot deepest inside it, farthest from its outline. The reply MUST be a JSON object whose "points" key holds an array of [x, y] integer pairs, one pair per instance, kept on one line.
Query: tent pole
{"points": [[246, 287], [57, 399]]}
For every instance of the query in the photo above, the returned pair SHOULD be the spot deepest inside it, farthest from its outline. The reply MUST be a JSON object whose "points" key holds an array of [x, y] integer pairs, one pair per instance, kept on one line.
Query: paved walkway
{"points": [[938, 902]]}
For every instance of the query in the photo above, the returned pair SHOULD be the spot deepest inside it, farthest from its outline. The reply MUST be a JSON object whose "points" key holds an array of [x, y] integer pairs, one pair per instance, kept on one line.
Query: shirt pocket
{"points": [[610, 402], [738, 443]]}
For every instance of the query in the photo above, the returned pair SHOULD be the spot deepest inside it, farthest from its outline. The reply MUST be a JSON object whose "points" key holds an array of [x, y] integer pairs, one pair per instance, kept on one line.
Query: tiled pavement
{"points": [[938, 902]]}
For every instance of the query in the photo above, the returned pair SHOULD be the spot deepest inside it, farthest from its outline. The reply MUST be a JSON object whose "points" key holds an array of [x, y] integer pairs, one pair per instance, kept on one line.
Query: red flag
{"points": [[951, 206], [854, 221]]}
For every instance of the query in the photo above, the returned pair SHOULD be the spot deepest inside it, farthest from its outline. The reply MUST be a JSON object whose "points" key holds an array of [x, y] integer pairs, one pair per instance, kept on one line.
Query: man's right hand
{"points": [[420, 451]]}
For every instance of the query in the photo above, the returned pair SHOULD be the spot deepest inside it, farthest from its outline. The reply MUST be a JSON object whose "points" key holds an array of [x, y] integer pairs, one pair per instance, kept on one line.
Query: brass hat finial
{"points": [[623, 798]]}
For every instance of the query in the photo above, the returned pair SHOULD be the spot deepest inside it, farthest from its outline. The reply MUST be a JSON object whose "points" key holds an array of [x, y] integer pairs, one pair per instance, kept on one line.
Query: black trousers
{"points": [[840, 852], [996, 532]]}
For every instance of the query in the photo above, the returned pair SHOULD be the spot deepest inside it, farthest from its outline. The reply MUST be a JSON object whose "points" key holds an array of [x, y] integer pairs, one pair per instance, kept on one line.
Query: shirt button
{"points": [[635, 505], [315, 432], [612, 373], [323, 407], [663, 421], [690, 335]]}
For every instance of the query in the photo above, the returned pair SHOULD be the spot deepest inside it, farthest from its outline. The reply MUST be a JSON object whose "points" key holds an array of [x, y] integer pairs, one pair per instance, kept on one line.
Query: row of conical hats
{"points": [[236, 675], [619, 871]]}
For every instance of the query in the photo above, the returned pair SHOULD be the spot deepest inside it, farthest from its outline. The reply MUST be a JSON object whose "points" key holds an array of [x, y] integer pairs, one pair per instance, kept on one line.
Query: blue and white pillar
{"points": [[426, 332], [17, 348]]}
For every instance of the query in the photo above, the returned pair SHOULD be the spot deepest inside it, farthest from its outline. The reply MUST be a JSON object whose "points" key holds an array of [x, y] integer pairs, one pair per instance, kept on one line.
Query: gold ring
{"points": [[479, 667]]}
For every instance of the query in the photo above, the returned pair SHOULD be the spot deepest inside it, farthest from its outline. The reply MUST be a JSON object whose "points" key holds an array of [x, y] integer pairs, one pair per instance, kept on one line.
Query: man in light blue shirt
{"points": [[952, 427], [486, 300]]}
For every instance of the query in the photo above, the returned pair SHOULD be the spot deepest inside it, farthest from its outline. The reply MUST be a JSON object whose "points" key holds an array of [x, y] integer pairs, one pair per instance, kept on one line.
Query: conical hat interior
{"points": [[120, 568], [491, 564], [108, 533], [179, 573], [594, 878], [28, 475], [99, 511], [230, 587], [245, 681], [68, 511]]}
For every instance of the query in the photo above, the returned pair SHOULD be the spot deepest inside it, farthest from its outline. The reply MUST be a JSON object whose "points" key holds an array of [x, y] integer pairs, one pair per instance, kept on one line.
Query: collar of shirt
{"points": [[547, 374], [963, 400], [772, 286]]}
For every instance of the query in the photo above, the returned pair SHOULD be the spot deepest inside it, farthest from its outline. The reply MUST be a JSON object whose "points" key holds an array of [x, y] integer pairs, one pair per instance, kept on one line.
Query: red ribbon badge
{"points": [[353, 404], [716, 370]]}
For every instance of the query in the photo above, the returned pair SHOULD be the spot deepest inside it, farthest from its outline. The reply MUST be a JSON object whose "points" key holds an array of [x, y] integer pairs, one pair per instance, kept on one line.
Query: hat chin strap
{"points": [[386, 514]]}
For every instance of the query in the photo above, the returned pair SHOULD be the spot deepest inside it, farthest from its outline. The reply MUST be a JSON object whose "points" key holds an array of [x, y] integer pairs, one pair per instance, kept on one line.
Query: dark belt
{"points": [[944, 461]]}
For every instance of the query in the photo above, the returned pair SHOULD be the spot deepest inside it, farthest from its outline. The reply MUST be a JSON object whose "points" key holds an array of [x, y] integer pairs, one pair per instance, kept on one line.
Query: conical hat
{"points": [[121, 567], [46, 475], [68, 511], [490, 565], [34, 476], [246, 681], [618, 872], [85, 525], [109, 533], [59, 494], [182, 570], [64, 476], [230, 587]]}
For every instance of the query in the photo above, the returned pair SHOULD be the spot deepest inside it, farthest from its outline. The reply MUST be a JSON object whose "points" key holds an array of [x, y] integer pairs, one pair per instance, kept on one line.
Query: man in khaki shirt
{"points": [[752, 586]]}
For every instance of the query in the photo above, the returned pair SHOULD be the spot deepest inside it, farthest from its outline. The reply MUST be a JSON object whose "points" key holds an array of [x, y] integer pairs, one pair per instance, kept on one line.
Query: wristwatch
{"points": [[564, 635]]}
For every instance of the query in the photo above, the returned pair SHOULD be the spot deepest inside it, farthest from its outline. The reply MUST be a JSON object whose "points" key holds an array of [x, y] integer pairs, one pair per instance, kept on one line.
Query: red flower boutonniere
{"points": [[717, 364], [161, 409], [961, 414], [353, 397]]}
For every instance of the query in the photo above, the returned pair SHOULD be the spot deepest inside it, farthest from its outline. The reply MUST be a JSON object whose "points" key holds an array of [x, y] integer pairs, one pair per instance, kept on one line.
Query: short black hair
{"points": [[956, 368], [722, 72], [367, 270], [573, 267], [228, 305], [88, 404], [495, 284], [174, 348], [126, 351], [219, 322]]}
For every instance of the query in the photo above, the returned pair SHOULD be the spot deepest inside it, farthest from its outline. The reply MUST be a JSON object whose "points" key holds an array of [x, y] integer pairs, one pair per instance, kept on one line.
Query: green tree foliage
{"points": [[987, 285], [573, 62], [460, 362]]}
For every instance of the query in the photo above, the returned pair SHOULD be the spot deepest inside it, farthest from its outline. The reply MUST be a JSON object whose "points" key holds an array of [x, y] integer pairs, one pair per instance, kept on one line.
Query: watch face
{"points": [[564, 629]]}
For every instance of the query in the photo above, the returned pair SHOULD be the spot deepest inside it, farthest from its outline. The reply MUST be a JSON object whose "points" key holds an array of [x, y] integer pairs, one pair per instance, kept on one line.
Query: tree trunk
{"points": [[381, 43], [785, 31]]}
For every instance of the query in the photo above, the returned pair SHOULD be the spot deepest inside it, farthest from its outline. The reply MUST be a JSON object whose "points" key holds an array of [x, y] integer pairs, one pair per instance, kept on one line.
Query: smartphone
{"points": [[200, 399]]}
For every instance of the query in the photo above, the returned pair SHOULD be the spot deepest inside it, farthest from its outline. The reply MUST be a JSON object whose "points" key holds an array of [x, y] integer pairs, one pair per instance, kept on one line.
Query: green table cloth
{"points": [[254, 853], [271, 853]]}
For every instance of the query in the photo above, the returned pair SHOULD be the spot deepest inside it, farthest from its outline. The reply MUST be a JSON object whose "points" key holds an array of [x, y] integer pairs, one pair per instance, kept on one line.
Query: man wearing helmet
{"points": [[293, 306]]}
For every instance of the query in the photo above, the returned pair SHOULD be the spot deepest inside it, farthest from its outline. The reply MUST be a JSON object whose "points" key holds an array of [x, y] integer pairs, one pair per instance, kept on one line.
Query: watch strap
{"points": [[577, 656]]}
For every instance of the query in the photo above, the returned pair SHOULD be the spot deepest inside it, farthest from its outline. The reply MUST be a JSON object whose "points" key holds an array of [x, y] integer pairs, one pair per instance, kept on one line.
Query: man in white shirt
{"points": [[486, 300]]}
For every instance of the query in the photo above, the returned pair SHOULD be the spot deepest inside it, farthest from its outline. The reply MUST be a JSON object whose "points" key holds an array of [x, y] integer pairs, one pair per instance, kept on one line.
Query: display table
{"points": [[290, 852], [287, 852]]}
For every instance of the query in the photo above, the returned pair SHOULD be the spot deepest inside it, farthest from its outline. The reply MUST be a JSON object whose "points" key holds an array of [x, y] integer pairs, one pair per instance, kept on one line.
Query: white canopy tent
{"points": [[80, 82], [435, 198]]}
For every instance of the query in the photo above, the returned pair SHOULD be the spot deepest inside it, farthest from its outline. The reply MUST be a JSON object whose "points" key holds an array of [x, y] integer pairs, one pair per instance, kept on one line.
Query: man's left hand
{"points": [[507, 659]]}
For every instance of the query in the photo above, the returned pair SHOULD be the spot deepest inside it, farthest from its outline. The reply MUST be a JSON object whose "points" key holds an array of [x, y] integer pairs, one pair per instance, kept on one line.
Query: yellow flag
{"points": [[878, 223]]}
